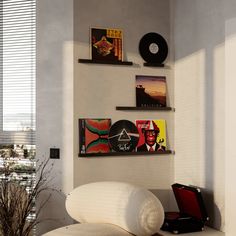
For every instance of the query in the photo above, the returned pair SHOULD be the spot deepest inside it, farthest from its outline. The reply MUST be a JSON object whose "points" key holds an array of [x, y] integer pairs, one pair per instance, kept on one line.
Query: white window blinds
{"points": [[17, 71]]}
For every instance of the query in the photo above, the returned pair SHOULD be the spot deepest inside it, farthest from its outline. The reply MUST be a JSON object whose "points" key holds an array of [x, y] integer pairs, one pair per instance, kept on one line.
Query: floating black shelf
{"points": [[129, 108], [125, 153], [127, 63], [150, 64]]}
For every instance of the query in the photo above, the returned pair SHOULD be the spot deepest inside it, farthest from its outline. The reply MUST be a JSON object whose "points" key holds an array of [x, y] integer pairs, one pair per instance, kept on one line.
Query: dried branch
{"points": [[17, 201]]}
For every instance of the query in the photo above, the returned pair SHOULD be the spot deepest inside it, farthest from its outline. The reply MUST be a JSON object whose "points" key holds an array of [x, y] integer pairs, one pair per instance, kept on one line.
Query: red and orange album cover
{"points": [[150, 91], [152, 135], [106, 44], [94, 135]]}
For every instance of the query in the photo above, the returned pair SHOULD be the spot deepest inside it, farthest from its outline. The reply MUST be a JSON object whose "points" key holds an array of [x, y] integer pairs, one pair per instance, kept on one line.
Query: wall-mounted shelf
{"points": [[125, 153], [90, 61], [130, 108], [153, 64]]}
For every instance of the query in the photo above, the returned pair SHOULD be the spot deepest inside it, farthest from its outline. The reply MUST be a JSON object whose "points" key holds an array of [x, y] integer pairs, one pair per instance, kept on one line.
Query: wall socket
{"points": [[54, 153]]}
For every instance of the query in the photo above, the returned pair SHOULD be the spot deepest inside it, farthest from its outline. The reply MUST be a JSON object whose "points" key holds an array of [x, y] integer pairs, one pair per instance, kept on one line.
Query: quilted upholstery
{"points": [[89, 229], [129, 207]]}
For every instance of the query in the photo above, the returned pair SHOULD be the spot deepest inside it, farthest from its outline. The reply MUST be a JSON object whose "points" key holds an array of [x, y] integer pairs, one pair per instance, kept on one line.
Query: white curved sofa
{"points": [[112, 209]]}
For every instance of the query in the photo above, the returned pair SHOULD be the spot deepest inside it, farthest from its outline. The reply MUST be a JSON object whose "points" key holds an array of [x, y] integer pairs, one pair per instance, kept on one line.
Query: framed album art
{"points": [[152, 135], [123, 136], [106, 44], [93, 135], [150, 91]]}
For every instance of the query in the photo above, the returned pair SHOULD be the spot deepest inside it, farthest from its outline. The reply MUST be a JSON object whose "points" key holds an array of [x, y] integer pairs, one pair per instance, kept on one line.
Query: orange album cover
{"points": [[106, 44]]}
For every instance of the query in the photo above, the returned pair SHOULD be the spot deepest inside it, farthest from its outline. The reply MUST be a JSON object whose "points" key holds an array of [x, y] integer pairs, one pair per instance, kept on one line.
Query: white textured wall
{"points": [[205, 46], [230, 125], [55, 100], [202, 94], [200, 100], [100, 88], [230, 114], [67, 91]]}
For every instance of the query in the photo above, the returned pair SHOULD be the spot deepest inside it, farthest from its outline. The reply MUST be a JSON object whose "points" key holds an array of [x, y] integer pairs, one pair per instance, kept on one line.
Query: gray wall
{"points": [[54, 101], [200, 82], [230, 116], [100, 88], [204, 34], [67, 91]]}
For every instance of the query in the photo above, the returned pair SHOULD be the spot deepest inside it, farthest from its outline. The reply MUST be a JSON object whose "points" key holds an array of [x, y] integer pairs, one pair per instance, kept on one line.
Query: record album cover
{"points": [[152, 135], [150, 91], [123, 136], [93, 135], [106, 44]]}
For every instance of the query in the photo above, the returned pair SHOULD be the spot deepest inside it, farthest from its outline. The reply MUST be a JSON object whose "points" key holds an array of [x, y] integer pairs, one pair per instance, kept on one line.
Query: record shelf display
{"points": [[99, 137], [106, 47]]}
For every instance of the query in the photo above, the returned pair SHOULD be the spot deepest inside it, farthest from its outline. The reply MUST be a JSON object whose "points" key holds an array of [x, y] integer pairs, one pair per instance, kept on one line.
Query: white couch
{"points": [[112, 209]]}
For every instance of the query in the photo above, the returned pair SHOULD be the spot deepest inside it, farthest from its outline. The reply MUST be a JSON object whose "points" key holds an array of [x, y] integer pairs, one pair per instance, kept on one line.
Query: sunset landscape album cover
{"points": [[150, 91]]}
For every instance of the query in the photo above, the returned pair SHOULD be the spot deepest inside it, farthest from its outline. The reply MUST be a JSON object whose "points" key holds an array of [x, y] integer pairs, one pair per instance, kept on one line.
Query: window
{"points": [[17, 76], [17, 91]]}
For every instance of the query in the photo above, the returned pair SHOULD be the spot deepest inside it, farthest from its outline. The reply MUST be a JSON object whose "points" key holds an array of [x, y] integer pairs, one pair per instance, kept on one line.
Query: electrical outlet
{"points": [[54, 153]]}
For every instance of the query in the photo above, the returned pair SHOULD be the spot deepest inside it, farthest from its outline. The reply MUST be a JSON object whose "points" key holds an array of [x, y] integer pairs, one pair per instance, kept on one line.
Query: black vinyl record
{"points": [[153, 48], [123, 136]]}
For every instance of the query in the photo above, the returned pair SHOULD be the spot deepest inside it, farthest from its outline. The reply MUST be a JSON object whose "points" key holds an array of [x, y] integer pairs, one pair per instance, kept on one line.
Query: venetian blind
{"points": [[17, 66]]}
